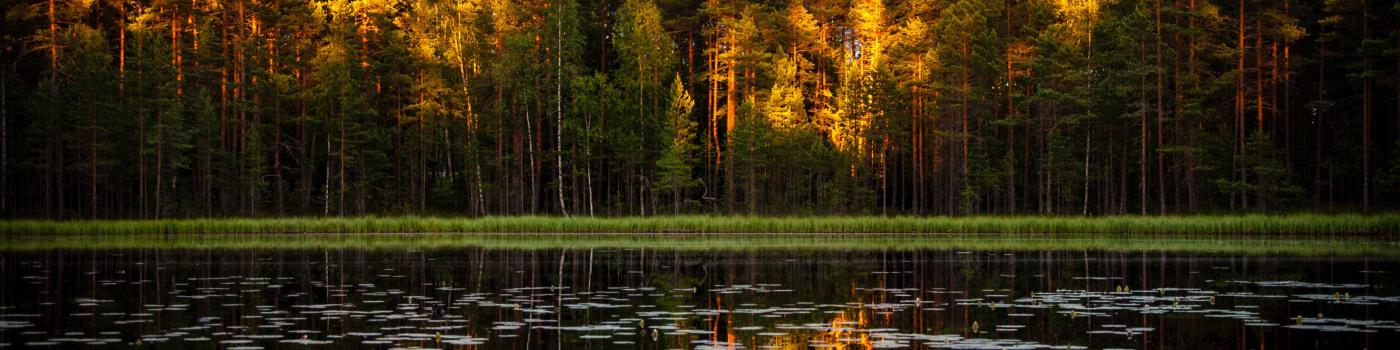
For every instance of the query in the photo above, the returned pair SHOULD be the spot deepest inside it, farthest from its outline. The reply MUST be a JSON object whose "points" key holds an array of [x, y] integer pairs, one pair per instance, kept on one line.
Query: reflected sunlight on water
{"points": [[478, 298]]}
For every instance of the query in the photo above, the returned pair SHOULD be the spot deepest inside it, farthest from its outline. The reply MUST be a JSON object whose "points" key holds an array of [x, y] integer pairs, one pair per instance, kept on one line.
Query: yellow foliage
{"points": [[1080, 16], [868, 18]]}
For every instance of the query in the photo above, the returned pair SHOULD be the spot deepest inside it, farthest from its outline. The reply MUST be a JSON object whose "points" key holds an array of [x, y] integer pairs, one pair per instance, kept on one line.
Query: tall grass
{"points": [[1298, 224]]}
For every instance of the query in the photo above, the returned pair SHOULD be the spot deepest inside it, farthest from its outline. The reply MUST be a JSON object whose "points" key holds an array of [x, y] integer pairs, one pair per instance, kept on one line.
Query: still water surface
{"points": [[599, 298]]}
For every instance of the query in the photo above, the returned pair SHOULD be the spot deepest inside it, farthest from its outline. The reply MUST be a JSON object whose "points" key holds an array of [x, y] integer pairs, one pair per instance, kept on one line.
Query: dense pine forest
{"points": [[165, 109]]}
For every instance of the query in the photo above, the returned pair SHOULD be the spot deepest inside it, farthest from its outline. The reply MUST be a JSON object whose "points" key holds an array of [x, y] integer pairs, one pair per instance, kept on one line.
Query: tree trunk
{"points": [[304, 161], [966, 89], [1142, 137], [340, 179], [1161, 176], [1239, 107], [4, 150], [50, 148], [1318, 162], [730, 123], [92, 166], [714, 145], [276, 129], [1366, 110], [1194, 126], [559, 109], [1288, 101], [534, 176]]}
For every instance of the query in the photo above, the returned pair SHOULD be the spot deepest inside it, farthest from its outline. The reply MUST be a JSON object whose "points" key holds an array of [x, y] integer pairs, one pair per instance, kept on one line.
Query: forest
{"points": [[265, 108]]}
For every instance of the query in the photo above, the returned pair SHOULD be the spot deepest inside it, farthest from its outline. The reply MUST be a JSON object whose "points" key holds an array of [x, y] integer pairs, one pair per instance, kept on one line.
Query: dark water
{"points": [[648, 299]]}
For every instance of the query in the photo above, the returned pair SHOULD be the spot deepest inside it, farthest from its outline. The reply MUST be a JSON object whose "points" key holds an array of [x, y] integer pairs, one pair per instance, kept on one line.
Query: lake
{"points": [[634, 296]]}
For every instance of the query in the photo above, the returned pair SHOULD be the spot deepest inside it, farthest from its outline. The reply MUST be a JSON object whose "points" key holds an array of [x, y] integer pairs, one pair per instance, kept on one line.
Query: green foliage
{"points": [[1388, 179], [1267, 176], [154, 109], [678, 159], [751, 153], [784, 107]]}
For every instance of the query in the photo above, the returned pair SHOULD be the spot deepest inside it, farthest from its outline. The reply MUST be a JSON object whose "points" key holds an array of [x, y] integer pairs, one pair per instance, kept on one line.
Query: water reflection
{"points": [[471, 298]]}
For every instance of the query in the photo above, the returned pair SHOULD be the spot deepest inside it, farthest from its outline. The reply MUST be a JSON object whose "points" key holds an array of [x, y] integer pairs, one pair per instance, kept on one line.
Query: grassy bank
{"points": [[1299, 224]]}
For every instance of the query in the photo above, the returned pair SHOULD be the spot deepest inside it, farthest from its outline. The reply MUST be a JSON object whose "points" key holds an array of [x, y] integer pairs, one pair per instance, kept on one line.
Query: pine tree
{"points": [[1267, 175], [677, 162]]}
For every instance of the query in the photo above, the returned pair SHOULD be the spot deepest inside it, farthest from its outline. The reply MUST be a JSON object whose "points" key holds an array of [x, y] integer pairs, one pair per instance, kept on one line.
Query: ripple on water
{"points": [[394, 312]]}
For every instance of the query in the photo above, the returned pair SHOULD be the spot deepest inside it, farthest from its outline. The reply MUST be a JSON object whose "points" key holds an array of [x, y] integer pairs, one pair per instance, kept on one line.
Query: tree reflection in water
{"points": [[472, 298]]}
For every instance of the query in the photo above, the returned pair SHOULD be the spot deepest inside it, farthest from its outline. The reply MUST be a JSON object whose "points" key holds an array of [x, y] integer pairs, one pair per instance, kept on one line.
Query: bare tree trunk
{"points": [[304, 145], [422, 203], [53, 105], [92, 165], [160, 162], [141, 153], [918, 144], [1318, 163], [1010, 113], [530, 147], [4, 149], [714, 112], [276, 129], [1161, 176], [480, 197], [1259, 95], [966, 89], [340, 179], [1239, 106], [1366, 111], [730, 123], [326, 185], [1194, 126], [559, 109], [1142, 139], [588, 155]]}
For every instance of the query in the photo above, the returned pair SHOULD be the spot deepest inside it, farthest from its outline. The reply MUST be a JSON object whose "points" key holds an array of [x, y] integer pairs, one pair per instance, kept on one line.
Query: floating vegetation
{"points": [[628, 298]]}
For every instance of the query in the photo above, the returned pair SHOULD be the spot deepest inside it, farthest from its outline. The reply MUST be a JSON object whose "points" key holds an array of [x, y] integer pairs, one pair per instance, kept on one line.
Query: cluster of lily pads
{"points": [[233, 312]]}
